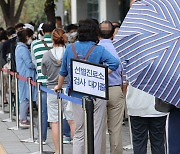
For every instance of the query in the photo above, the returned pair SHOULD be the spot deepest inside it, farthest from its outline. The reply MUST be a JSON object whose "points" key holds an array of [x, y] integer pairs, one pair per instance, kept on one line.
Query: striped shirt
{"points": [[38, 49]]}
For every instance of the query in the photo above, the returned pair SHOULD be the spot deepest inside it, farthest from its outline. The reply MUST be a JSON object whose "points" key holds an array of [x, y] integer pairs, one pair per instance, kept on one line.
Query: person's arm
{"points": [[110, 61], [124, 88], [32, 55], [60, 83], [27, 58], [43, 65]]}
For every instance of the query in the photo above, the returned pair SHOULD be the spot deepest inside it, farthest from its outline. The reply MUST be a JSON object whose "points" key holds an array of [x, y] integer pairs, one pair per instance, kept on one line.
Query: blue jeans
{"points": [[44, 116], [66, 128]]}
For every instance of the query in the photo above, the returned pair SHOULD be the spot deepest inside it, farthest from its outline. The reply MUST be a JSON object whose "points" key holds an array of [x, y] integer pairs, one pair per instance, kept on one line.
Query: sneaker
{"points": [[24, 124], [37, 142], [66, 140]]}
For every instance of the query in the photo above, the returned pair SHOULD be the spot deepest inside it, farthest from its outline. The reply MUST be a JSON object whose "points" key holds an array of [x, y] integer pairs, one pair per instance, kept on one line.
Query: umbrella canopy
{"points": [[148, 46]]}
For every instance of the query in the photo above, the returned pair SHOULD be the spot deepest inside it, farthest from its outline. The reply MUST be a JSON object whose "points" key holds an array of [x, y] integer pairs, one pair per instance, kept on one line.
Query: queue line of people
{"points": [[47, 60]]}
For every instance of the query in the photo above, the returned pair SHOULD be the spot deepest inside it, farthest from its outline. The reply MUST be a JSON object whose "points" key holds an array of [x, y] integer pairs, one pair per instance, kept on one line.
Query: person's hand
{"points": [[56, 88], [124, 88]]}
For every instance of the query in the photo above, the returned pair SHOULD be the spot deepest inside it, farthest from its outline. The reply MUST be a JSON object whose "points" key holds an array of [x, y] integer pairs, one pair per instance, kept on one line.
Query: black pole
{"points": [[88, 108], [90, 125]]}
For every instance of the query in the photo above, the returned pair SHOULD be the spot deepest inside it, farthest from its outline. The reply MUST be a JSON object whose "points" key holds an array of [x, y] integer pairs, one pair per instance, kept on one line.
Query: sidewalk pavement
{"points": [[10, 139]]}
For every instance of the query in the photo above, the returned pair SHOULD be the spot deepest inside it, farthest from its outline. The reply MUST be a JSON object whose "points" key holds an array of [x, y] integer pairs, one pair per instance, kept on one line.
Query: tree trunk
{"points": [[8, 9], [49, 10]]}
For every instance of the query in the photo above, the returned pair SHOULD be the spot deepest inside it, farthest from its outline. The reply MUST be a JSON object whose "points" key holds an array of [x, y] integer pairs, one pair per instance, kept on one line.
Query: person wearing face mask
{"points": [[71, 32], [30, 30], [25, 68]]}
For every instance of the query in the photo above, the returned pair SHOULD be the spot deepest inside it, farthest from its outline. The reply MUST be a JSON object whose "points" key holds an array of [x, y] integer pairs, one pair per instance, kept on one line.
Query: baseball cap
{"points": [[40, 27], [29, 26]]}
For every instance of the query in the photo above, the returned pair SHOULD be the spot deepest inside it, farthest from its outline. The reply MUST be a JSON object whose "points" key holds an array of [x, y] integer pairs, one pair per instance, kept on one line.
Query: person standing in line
{"points": [[145, 121], [116, 102], [40, 47], [71, 32], [25, 68], [3, 38], [51, 64], [87, 35], [116, 25], [58, 22]]}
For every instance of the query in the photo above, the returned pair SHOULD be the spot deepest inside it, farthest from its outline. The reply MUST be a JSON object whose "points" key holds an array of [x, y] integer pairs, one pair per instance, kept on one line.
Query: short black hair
{"points": [[58, 18], [32, 23], [96, 21], [88, 30], [3, 35], [29, 32], [1, 28], [71, 27], [11, 31], [19, 25], [106, 33], [22, 34], [48, 27]]}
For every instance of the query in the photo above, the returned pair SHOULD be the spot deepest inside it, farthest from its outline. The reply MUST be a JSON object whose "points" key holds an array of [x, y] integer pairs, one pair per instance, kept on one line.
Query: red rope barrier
{"points": [[22, 78], [33, 83], [12, 73], [19, 77]]}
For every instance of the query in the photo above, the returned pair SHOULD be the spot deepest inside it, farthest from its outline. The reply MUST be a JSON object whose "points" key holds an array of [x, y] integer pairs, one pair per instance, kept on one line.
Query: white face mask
{"points": [[29, 41], [74, 34]]}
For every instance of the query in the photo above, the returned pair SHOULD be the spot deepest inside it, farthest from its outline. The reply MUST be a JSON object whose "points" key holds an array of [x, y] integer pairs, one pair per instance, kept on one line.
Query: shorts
{"points": [[52, 108]]}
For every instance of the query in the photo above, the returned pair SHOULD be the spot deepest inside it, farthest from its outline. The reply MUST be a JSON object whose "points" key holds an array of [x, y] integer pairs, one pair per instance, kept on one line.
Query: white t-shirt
{"points": [[140, 103]]}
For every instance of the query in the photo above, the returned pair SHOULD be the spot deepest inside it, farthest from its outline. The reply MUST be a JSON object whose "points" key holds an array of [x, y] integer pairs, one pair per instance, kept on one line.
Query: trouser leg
{"points": [[24, 105], [66, 128], [78, 141], [157, 134], [173, 132], [103, 146], [115, 112], [139, 127], [44, 116]]}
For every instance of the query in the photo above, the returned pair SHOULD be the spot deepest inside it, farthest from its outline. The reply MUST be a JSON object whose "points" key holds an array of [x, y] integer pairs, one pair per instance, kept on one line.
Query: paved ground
{"points": [[10, 139]]}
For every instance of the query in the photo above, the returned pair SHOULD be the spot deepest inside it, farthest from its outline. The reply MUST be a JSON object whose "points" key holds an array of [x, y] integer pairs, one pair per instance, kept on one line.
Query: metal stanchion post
{"points": [[40, 118], [17, 104], [60, 112], [129, 147], [88, 108], [31, 139], [2, 93], [10, 99], [40, 123]]}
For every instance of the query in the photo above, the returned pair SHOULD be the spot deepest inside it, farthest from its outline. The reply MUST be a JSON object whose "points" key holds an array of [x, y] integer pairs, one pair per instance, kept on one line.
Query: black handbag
{"points": [[163, 106]]}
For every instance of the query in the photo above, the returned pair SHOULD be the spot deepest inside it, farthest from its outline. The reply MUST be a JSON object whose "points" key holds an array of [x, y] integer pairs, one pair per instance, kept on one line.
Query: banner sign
{"points": [[89, 78]]}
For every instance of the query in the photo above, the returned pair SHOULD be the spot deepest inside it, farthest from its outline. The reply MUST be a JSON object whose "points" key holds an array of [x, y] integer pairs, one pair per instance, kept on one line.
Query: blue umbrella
{"points": [[148, 46]]}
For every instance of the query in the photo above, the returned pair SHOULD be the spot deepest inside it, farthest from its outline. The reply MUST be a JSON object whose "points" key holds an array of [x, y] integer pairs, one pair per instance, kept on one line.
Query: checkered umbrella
{"points": [[148, 46]]}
